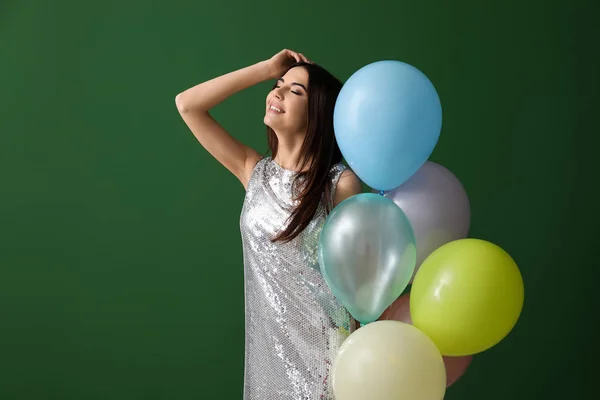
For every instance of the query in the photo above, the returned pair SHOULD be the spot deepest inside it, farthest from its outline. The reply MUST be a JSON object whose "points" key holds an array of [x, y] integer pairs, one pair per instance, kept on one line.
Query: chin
{"points": [[270, 123], [280, 127]]}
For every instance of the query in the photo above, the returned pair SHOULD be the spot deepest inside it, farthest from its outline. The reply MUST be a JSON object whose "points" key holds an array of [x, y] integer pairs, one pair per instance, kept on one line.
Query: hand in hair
{"points": [[281, 61]]}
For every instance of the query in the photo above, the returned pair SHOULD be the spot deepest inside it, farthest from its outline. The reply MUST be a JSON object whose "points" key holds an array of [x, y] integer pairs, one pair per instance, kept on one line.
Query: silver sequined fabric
{"points": [[294, 324]]}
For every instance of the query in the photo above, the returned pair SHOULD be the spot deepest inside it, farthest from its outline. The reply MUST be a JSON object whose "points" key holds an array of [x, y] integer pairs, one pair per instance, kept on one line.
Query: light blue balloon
{"points": [[367, 254], [387, 121]]}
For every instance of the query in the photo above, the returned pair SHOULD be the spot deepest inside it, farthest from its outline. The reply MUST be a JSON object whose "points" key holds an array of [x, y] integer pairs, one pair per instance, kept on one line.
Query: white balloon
{"points": [[388, 360], [437, 206]]}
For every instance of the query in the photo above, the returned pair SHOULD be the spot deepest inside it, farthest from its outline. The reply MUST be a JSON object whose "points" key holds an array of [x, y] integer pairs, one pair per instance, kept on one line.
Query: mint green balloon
{"points": [[367, 254]]}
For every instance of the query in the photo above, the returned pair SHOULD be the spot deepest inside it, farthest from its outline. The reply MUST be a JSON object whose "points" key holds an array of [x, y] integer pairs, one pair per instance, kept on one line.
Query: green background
{"points": [[120, 255]]}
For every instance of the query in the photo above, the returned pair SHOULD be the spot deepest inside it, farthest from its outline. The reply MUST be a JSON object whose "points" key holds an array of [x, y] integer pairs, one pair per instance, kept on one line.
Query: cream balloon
{"points": [[388, 360]]}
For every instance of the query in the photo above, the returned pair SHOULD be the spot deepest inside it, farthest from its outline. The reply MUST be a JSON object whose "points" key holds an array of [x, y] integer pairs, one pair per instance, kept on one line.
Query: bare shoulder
{"points": [[348, 185]]}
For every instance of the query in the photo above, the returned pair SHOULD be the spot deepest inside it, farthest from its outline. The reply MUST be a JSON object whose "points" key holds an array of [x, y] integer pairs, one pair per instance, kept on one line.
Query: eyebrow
{"points": [[294, 83]]}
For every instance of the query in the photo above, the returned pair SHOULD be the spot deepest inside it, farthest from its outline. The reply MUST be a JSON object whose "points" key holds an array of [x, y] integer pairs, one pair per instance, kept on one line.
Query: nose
{"points": [[278, 94]]}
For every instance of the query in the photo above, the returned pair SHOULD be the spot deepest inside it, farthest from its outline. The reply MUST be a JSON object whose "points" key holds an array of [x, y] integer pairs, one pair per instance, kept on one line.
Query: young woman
{"points": [[294, 324]]}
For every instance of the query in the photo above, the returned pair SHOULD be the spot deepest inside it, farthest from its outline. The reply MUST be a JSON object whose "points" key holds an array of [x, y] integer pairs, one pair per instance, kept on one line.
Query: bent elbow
{"points": [[180, 104]]}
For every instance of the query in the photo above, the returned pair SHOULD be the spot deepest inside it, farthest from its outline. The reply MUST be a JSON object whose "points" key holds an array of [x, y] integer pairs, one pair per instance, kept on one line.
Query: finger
{"points": [[294, 55], [303, 57]]}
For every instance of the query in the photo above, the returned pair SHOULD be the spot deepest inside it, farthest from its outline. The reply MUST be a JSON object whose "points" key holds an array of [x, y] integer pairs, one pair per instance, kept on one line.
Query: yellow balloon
{"points": [[467, 296], [388, 360]]}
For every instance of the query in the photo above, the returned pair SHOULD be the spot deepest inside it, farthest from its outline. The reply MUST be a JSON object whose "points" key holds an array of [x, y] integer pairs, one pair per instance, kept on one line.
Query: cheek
{"points": [[301, 111]]}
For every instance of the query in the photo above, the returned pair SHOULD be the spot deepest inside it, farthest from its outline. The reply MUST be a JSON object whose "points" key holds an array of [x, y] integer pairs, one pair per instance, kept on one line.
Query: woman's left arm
{"points": [[347, 186]]}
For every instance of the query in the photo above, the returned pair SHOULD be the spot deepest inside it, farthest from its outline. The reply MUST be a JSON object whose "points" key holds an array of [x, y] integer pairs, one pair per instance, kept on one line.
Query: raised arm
{"points": [[195, 103]]}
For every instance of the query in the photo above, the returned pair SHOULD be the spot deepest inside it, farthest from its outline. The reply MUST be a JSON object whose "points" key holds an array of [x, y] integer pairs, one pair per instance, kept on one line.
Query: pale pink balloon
{"points": [[400, 311], [456, 368]]}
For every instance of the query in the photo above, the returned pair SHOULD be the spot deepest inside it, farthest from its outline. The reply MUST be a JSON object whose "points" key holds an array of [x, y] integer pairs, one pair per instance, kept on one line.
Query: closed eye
{"points": [[293, 84], [293, 91]]}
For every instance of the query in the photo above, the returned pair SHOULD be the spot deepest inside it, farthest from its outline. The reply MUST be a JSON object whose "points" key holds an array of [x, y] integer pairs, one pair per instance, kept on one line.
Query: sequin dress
{"points": [[294, 324]]}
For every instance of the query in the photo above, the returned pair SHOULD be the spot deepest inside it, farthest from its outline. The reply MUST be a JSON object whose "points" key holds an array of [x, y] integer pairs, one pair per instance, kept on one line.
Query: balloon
{"points": [[467, 296], [455, 366], [387, 121], [367, 254], [399, 310], [388, 360], [437, 206]]}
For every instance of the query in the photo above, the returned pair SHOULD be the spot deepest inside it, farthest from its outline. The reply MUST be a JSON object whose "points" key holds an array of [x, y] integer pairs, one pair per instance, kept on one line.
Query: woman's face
{"points": [[287, 103]]}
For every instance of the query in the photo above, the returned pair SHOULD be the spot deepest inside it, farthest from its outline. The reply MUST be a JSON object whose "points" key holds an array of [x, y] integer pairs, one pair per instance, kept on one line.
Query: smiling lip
{"points": [[275, 109]]}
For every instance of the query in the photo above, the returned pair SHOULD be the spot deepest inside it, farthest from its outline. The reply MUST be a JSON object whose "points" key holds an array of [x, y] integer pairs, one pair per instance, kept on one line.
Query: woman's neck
{"points": [[288, 154]]}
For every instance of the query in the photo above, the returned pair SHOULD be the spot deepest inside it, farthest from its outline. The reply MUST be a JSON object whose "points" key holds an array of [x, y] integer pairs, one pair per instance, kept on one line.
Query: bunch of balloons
{"points": [[467, 294]]}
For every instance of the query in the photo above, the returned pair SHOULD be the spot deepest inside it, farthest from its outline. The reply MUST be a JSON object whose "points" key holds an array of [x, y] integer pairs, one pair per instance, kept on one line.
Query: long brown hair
{"points": [[320, 151]]}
